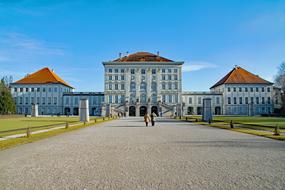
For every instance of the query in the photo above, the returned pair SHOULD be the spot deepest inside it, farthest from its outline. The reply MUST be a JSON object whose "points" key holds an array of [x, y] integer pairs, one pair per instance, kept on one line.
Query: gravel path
{"points": [[123, 154]]}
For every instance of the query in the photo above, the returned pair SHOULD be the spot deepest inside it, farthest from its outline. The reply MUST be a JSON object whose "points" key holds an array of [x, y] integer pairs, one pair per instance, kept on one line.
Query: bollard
{"points": [[103, 118], [186, 118], [232, 124], [66, 125], [95, 120], [276, 131], [28, 132]]}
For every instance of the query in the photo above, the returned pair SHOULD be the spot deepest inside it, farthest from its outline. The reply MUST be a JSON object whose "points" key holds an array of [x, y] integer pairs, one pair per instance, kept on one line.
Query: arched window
{"points": [[143, 98], [133, 87], [154, 98], [133, 98], [143, 86], [153, 86]]}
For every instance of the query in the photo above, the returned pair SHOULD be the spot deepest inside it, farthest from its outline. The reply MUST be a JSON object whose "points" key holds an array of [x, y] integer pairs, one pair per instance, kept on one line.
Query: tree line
{"points": [[7, 103]]}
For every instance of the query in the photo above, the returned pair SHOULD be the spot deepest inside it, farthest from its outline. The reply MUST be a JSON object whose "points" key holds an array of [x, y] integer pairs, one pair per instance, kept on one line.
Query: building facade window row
{"points": [[248, 89]]}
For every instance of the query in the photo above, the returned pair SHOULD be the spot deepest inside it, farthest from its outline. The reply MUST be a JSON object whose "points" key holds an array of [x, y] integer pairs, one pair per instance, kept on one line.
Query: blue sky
{"points": [[74, 37]]}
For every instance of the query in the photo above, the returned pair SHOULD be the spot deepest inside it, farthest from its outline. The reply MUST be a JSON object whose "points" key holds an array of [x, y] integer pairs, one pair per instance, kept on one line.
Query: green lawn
{"points": [[255, 120], [25, 122]]}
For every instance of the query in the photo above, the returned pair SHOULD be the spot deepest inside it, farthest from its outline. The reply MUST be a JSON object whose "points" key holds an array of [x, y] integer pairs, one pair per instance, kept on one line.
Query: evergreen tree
{"points": [[7, 104]]}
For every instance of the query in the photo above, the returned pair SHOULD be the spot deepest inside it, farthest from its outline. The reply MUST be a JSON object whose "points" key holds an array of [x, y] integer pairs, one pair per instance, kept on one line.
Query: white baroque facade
{"points": [[142, 83]]}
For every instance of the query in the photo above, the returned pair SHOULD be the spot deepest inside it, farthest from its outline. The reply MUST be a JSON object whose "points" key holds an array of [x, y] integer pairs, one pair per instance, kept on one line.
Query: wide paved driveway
{"points": [[123, 154]]}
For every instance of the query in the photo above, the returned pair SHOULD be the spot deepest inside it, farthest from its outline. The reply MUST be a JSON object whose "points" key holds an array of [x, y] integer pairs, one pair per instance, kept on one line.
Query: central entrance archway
{"points": [[154, 109], [143, 110], [132, 111]]}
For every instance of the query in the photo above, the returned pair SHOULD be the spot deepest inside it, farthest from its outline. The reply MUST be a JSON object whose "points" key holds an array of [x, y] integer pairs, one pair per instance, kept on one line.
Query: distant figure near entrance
{"points": [[152, 117], [146, 119]]}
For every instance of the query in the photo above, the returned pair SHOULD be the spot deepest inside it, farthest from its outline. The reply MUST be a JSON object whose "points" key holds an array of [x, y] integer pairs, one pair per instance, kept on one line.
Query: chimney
{"points": [[157, 53], [120, 55]]}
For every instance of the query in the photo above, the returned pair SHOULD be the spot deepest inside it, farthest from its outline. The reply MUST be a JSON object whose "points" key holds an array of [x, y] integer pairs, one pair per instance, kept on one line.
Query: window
{"points": [[257, 100], [269, 100], [116, 99], [235, 100], [251, 89], [55, 89], [217, 100], [268, 89], [21, 100], [38, 89], [143, 71], [262, 89], [246, 100], [153, 71], [246, 89], [44, 100], [229, 100], [175, 70], [122, 70], [251, 100], [133, 86], [27, 89], [15, 89], [132, 71], [240, 100], [116, 77], [153, 86], [76, 101], [229, 89], [116, 87], [163, 98], [49, 89], [240, 89], [110, 70], [163, 70], [199, 100], [110, 99], [122, 77], [262, 100], [169, 70], [26, 100], [21, 89], [110, 77], [175, 85], [54, 100], [234, 89], [38, 100], [32, 89], [169, 77], [122, 86], [116, 70], [163, 77], [163, 86], [49, 100], [169, 86], [32, 100], [190, 100], [44, 89], [143, 86], [175, 77], [110, 86], [170, 98]]}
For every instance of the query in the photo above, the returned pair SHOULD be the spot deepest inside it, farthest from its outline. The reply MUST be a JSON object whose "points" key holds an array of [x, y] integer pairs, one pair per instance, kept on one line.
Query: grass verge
{"points": [[35, 137], [268, 133]]}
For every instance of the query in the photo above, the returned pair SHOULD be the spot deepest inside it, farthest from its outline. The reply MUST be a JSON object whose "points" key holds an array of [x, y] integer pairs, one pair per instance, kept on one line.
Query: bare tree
{"points": [[280, 82]]}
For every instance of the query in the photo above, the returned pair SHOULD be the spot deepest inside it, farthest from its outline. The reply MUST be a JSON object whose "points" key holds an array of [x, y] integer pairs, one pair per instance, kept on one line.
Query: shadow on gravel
{"points": [[235, 144]]}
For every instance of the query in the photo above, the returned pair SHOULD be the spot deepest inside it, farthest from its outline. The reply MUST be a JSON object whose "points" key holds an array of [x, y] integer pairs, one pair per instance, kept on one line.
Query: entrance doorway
{"points": [[132, 111], [143, 110], [218, 110], [155, 110], [75, 111]]}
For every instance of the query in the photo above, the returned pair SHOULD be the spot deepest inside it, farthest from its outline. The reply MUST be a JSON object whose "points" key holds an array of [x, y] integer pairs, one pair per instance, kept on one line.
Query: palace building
{"points": [[142, 83]]}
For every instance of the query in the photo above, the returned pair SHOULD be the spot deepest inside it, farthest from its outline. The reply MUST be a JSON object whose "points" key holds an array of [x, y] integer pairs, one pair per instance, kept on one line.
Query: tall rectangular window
{"points": [[217, 100], [257, 100], [54, 100], [43, 100], [240, 89], [269, 100], [116, 70], [257, 89], [229, 100], [153, 71], [229, 89], [110, 77], [143, 71], [240, 100], [132, 71], [268, 89], [122, 77], [245, 89], [251, 100], [234, 89], [190, 100], [262, 100], [110, 99], [116, 77], [246, 100], [122, 86], [235, 100], [199, 100]]}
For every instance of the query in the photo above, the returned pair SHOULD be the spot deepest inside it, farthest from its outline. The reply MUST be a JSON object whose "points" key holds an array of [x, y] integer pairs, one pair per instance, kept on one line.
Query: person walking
{"points": [[153, 118], [146, 119]]}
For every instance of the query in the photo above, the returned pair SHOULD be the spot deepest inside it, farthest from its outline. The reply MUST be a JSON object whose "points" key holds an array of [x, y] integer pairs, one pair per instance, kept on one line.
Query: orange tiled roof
{"points": [[241, 76], [142, 57], [43, 76]]}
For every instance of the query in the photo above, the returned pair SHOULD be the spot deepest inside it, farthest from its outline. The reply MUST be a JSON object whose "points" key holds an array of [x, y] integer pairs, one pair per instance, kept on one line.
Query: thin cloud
{"points": [[197, 65], [17, 42]]}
